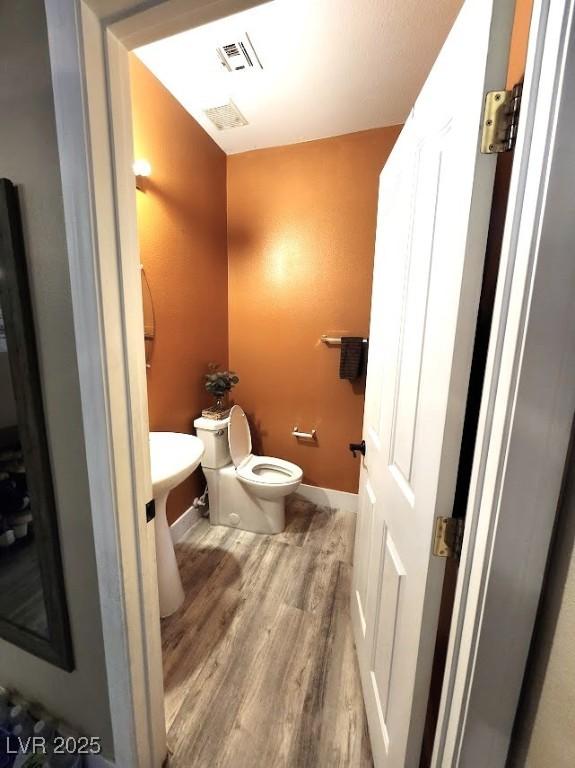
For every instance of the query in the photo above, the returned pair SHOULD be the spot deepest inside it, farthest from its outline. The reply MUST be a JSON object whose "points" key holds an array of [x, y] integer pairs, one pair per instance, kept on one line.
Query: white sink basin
{"points": [[173, 456]]}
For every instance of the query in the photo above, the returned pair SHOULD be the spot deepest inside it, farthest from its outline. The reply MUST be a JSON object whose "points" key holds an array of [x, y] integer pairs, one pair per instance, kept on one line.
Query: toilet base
{"points": [[231, 504], [270, 519]]}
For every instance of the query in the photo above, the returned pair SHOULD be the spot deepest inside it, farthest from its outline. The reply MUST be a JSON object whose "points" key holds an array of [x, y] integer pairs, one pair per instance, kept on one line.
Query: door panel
{"points": [[393, 575], [415, 291], [366, 520], [433, 215]]}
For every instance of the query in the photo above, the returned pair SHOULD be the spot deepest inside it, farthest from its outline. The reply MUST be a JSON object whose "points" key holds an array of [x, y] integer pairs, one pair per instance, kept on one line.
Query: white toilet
{"points": [[245, 491]]}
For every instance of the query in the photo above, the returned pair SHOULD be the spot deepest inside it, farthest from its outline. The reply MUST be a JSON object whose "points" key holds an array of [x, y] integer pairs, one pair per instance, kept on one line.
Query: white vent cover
{"points": [[226, 116], [239, 55]]}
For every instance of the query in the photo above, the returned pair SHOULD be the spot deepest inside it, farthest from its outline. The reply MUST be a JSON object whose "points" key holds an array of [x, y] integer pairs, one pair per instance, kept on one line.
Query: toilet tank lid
{"points": [[211, 425], [239, 436]]}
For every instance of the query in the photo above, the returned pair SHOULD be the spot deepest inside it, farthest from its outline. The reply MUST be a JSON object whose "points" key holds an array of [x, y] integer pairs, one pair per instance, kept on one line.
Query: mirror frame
{"points": [[16, 304]]}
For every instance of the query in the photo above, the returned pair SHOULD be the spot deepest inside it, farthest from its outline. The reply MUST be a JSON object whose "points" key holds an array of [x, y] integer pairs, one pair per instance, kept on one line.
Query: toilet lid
{"points": [[239, 437]]}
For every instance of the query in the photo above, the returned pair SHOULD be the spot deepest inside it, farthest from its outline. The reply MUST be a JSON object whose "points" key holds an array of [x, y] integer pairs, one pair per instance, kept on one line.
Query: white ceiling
{"points": [[329, 67]]}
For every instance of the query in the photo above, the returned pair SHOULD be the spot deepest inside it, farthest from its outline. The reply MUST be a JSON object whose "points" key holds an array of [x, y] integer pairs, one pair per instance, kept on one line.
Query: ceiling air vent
{"points": [[226, 116], [239, 54]]}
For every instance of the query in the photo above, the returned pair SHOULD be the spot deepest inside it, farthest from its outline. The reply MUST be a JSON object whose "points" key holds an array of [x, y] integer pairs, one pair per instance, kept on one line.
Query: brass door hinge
{"points": [[500, 119], [448, 536]]}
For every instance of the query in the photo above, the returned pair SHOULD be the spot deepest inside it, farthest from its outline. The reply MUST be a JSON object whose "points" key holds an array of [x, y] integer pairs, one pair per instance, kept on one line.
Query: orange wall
{"points": [[519, 39], [301, 231], [182, 232]]}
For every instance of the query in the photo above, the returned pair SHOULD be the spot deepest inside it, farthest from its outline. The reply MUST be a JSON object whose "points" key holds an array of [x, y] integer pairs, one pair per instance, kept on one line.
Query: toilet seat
{"points": [[239, 436], [257, 470], [268, 470]]}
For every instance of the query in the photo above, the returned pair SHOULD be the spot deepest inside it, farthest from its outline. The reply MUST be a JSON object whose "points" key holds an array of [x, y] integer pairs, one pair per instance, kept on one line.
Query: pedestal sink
{"points": [[173, 457]]}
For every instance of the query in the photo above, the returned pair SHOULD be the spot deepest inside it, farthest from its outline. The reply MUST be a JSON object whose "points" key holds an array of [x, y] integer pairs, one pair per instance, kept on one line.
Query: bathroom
{"points": [[250, 255]]}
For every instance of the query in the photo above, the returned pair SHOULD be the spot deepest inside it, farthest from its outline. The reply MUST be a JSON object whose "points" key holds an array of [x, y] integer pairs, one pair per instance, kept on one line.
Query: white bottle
{"points": [[45, 728], [23, 732], [19, 716], [37, 711], [24, 746], [17, 698]]}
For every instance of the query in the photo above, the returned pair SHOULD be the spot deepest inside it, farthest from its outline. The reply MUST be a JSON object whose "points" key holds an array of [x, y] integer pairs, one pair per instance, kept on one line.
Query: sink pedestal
{"points": [[169, 582], [173, 457]]}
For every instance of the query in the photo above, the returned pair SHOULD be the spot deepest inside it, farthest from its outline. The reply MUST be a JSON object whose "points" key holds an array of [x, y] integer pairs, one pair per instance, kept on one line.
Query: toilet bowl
{"points": [[245, 491], [269, 478]]}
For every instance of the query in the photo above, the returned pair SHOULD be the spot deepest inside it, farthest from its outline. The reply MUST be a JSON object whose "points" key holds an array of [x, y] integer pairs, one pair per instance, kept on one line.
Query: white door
{"points": [[434, 204]]}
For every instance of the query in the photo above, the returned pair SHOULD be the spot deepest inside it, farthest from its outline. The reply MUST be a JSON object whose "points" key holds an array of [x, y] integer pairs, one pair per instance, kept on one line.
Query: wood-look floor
{"points": [[259, 663]]}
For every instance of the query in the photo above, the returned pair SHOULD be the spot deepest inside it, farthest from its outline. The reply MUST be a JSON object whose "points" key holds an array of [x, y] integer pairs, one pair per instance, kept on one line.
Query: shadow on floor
{"points": [[211, 579]]}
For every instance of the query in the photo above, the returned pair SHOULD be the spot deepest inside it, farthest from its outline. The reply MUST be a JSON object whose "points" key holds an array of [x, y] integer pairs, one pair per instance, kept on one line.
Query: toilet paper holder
{"points": [[299, 435]]}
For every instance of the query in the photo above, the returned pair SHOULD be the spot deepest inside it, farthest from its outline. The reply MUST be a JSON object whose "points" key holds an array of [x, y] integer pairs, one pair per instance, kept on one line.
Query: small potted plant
{"points": [[218, 384]]}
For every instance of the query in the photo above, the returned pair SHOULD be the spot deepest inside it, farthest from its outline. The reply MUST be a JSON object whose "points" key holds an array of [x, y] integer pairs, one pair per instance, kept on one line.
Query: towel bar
{"points": [[335, 341], [304, 435]]}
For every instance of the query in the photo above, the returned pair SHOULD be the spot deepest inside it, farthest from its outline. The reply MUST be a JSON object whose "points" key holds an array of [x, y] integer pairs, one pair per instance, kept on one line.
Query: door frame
{"points": [[527, 409], [89, 61]]}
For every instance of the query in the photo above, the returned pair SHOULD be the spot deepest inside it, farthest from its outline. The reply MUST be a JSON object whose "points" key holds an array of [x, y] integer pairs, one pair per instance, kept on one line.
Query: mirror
{"points": [[21, 592], [148, 305], [149, 316], [33, 612]]}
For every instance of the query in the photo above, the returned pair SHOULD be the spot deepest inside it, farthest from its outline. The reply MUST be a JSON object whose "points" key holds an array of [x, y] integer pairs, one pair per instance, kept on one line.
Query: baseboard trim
{"points": [[182, 525], [327, 497]]}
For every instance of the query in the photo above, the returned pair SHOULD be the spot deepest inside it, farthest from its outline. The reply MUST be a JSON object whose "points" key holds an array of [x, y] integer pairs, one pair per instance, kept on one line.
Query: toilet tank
{"points": [[214, 435]]}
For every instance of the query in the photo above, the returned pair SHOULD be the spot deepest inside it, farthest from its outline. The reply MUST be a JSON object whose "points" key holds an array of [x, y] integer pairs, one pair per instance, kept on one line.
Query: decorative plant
{"points": [[219, 383]]}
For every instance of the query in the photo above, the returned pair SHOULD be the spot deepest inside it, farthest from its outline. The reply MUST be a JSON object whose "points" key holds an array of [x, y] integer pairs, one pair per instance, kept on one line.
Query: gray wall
{"points": [[28, 156], [545, 725]]}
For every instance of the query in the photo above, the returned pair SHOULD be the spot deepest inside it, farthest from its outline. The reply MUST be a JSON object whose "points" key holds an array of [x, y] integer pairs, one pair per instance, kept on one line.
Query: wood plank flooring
{"points": [[259, 663]]}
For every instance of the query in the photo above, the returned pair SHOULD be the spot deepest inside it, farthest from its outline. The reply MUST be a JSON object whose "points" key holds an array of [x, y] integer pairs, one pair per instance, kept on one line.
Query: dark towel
{"points": [[351, 362]]}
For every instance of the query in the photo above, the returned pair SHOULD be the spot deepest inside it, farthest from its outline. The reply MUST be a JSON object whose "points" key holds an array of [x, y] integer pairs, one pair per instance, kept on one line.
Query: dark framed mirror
{"points": [[33, 612], [149, 317]]}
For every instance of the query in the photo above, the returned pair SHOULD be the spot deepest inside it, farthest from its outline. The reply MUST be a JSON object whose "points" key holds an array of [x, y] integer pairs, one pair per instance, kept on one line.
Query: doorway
{"points": [[307, 243], [114, 64], [272, 340]]}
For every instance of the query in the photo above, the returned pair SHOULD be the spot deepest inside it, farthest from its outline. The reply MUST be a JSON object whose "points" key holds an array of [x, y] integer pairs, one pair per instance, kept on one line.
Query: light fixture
{"points": [[142, 169]]}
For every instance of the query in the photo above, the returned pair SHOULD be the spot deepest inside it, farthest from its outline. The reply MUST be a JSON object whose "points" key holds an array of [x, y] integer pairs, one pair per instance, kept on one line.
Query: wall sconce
{"points": [[142, 169]]}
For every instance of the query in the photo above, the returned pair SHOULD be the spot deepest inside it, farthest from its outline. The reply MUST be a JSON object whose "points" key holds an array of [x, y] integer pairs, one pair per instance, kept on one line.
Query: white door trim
{"points": [[95, 142], [112, 417], [526, 414]]}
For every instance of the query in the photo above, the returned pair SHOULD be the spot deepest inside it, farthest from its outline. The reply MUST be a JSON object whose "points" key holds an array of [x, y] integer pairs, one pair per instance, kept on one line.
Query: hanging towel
{"points": [[351, 362]]}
